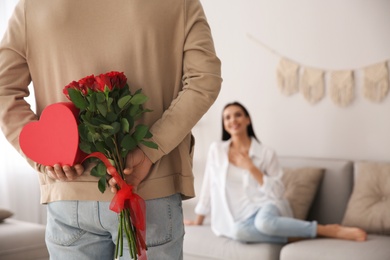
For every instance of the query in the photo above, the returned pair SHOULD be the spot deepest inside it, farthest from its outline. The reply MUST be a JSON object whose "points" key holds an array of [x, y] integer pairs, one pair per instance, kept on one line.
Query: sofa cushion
{"points": [[301, 187], [375, 248], [335, 188], [4, 213], [369, 205], [201, 243]]}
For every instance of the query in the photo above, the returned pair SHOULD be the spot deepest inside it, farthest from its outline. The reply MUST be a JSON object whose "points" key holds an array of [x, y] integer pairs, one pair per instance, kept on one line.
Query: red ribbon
{"points": [[126, 198]]}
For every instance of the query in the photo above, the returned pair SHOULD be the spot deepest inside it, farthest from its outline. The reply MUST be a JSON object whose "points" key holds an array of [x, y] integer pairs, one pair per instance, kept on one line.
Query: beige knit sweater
{"points": [[164, 47]]}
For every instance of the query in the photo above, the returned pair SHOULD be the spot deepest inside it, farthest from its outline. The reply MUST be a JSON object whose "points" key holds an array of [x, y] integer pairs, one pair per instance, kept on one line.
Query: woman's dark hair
{"points": [[251, 132]]}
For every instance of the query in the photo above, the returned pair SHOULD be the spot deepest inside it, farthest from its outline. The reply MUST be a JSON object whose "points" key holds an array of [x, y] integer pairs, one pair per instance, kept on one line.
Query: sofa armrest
{"points": [[21, 240]]}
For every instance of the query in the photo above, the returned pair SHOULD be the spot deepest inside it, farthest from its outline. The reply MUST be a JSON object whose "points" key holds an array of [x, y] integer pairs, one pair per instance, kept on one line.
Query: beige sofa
{"points": [[20, 240], [352, 193]]}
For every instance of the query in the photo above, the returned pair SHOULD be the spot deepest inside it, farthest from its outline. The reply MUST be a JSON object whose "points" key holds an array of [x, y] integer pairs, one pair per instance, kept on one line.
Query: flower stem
{"points": [[122, 224], [118, 158], [130, 235], [118, 239]]}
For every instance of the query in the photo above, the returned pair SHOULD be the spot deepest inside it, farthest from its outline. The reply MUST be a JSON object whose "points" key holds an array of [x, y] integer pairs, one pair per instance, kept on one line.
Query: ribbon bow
{"points": [[126, 198]]}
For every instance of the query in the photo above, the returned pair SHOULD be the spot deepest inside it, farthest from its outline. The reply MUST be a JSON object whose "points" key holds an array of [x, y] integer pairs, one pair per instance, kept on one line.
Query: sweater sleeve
{"points": [[15, 78], [201, 84]]}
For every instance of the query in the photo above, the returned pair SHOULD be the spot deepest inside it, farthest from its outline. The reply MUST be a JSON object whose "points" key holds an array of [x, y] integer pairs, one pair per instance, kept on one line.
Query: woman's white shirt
{"points": [[213, 198], [240, 207]]}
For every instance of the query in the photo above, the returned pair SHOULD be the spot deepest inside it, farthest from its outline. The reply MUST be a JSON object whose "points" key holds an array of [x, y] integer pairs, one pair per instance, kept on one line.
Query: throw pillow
{"points": [[301, 186], [369, 204], [5, 214]]}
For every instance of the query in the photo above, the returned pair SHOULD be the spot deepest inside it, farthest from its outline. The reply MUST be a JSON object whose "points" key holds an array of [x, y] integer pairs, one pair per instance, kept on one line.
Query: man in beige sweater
{"points": [[165, 48]]}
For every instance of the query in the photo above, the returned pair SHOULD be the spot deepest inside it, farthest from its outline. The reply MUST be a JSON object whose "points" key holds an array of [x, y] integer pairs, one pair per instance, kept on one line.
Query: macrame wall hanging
{"points": [[288, 77], [293, 78], [376, 83], [312, 85], [342, 87]]}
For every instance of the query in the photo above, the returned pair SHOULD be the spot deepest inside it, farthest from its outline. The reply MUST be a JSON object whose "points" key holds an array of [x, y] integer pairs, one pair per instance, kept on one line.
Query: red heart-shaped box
{"points": [[54, 139]]}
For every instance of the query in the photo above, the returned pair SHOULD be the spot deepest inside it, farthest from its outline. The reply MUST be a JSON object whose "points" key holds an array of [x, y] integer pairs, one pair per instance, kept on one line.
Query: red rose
{"points": [[87, 83], [118, 79], [74, 85], [102, 81]]}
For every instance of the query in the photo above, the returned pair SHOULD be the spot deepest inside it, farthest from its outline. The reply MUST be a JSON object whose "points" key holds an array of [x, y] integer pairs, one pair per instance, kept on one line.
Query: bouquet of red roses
{"points": [[108, 131]]}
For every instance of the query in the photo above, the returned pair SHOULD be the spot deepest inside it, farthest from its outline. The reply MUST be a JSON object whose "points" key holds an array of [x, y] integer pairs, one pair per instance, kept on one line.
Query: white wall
{"points": [[330, 35]]}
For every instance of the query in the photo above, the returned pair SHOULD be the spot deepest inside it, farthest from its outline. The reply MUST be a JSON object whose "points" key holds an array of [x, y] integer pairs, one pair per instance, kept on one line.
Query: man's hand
{"points": [[64, 173], [137, 168]]}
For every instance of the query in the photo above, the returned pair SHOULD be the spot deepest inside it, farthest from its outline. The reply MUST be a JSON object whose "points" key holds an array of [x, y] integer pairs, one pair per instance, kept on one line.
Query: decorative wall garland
{"points": [[310, 82], [312, 85], [287, 76], [342, 87], [376, 82]]}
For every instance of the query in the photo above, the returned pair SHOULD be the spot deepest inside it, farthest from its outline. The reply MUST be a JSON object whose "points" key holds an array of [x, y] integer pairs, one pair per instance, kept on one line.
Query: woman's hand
{"points": [[189, 222], [241, 159], [198, 222], [64, 173]]}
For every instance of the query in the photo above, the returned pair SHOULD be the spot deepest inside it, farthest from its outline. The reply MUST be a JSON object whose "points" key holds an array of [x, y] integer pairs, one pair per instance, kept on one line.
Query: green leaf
{"points": [[100, 97], [130, 119], [112, 162], [140, 132], [148, 135], [86, 117], [134, 110], [138, 99], [94, 171], [85, 147], [109, 101], [123, 101], [93, 137], [99, 170], [92, 102], [125, 126], [89, 126], [107, 134], [77, 98], [138, 91], [82, 131], [124, 153], [102, 169], [106, 127], [100, 147], [128, 142], [110, 143], [97, 121], [111, 117], [124, 91], [102, 184], [150, 144], [102, 109], [116, 127]]}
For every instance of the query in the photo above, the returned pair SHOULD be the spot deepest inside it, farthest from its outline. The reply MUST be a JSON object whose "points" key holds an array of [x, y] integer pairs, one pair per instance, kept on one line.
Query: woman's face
{"points": [[235, 121]]}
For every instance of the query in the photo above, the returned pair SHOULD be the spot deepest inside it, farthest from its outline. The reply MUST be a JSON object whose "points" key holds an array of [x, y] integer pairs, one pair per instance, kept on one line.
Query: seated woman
{"points": [[242, 189]]}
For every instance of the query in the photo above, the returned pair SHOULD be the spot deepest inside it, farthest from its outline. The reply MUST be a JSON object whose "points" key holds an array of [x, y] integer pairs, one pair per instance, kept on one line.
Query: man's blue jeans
{"points": [[83, 230]]}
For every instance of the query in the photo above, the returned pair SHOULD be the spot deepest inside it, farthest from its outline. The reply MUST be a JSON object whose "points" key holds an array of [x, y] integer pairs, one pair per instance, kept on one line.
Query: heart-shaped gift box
{"points": [[54, 139]]}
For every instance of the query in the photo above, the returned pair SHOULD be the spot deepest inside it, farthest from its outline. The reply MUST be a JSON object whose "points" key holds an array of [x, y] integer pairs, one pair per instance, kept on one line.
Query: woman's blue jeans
{"points": [[268, 226], [83, 230]]}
